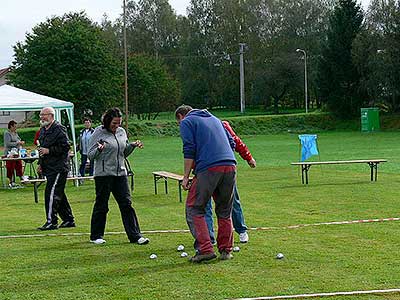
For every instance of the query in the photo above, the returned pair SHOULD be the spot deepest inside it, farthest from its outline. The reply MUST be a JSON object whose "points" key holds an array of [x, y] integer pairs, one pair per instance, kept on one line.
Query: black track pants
{"points": [[55, 200], [118, 186]]}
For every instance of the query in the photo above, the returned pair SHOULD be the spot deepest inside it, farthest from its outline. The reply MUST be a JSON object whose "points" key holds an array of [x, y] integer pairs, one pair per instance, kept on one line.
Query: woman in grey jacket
{"points": [[108, 148]]}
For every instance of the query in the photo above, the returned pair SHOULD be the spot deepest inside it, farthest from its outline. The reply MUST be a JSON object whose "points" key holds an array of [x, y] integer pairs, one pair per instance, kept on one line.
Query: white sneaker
{"points": [[143, 241], [12, 185], [244, 237], [98, 241], [25, 178]]}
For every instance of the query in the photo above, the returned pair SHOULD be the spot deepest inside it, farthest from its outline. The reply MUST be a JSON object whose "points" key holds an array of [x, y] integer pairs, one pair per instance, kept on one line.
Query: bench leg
{"points": [[156, 179], [155, 184], [35, 192], [304, 173], [374, 168], [371, 167], [180, 190]]}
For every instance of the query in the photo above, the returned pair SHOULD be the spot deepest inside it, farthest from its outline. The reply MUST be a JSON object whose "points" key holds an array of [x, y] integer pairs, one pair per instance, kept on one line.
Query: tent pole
{"points": [[70, 113]]}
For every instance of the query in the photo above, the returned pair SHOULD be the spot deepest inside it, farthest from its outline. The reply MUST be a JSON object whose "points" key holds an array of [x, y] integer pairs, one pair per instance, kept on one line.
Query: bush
{"points": [[252, 125], [247, 125]]}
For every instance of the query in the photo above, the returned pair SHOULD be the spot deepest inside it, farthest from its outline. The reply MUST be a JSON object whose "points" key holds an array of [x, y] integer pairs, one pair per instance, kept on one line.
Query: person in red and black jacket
{"points": [[237, 212]]}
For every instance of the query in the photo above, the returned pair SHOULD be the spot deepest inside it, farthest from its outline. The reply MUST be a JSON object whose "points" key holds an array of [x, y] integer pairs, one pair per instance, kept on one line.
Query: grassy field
{"points": [[324, 258]]}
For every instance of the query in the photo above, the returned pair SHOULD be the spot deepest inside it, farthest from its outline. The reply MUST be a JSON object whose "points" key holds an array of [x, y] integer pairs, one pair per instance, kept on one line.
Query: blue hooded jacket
{"points": [[206, 141]]}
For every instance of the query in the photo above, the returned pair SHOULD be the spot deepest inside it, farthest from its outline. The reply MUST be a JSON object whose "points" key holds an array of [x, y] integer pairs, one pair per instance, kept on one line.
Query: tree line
{"points": [[352, 56]]}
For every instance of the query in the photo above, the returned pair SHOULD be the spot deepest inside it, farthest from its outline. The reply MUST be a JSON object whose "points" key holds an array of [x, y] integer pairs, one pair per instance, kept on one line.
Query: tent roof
{"points": [[12, 99]]}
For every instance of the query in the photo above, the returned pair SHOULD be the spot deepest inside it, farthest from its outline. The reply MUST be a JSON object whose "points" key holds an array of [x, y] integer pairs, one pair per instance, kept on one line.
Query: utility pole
{"points": [[305, 78], [126, 71], [242, 96]]}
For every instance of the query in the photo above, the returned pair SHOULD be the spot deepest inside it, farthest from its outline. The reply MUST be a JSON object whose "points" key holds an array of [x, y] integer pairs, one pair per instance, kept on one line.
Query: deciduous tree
{"points": [[338, 77], [67, 58], [151, 89]]}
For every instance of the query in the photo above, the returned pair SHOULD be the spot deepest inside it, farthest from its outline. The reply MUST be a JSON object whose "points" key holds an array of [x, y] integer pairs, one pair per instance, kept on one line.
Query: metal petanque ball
{"points": [[279, 256], [236, 249], [184, 254], [180, 248], [153, 256]]}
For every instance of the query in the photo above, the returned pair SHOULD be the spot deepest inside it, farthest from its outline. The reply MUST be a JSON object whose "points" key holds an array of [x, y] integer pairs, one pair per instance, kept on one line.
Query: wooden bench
{"points": [[305, 166], [38, 182], [168, 175]]}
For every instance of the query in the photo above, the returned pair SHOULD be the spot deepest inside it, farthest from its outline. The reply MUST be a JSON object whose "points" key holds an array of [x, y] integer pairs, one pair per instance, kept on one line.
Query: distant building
{"points": [[3, 75], [6, 116]]}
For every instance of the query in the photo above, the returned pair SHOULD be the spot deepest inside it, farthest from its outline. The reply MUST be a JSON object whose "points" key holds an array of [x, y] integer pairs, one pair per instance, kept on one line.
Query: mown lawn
{"points": [[325, 258]]}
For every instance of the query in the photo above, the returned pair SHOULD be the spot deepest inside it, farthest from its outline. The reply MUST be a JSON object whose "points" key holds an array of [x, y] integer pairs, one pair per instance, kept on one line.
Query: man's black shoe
{"points": [[202, 257], [48, 226], [67, 224]]}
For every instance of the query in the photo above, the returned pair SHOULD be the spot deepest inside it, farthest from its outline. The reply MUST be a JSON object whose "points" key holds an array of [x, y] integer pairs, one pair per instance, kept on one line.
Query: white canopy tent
{"points": [[15, 99]]}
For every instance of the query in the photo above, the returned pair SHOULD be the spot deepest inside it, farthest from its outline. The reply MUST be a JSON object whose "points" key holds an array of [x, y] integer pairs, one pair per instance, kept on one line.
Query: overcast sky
{"points": [[17, 17]]}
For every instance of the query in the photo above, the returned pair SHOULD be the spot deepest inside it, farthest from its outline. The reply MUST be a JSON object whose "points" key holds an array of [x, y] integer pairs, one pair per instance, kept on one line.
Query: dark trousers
{"points": [[55, 200], [82, 167], [118, 186], [217, 182]]}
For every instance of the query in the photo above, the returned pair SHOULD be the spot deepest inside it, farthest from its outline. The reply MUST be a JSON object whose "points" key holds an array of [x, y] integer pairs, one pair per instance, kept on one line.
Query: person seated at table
{"points": [[12, 140]]}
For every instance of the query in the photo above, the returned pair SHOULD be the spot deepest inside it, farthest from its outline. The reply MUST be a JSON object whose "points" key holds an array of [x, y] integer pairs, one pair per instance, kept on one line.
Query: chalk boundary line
{"points": [[186, 230], [323, 294]]}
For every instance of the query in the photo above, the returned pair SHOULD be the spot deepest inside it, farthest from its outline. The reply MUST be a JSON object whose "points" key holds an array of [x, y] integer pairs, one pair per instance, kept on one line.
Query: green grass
{"points": [[317, 259]]}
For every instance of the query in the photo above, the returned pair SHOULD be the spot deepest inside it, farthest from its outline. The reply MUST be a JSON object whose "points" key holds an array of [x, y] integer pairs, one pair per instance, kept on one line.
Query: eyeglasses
{"points": [[42, 115]]}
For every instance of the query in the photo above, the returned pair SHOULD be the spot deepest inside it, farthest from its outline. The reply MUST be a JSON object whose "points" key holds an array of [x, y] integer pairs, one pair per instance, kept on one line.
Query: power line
{"points": [[200, 56]]}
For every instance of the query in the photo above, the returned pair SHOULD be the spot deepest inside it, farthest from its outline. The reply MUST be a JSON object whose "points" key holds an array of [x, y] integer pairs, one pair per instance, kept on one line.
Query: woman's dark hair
{"points": [[11, 124], [87, 119], [107, 117]]}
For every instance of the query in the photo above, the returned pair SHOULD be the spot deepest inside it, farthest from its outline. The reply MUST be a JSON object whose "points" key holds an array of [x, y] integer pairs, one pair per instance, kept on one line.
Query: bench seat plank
{"points": [[168, 175], [305, 166], [339, 162], [36, 182]]}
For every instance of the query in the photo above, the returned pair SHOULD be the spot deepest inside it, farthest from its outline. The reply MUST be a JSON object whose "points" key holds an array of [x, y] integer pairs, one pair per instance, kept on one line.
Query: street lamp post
{"points": [[305, 77], [242, 94], [125, 70]]}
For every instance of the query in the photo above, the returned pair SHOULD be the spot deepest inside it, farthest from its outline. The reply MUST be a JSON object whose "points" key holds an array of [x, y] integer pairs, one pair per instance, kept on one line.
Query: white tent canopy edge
{"points": [[15, 99]]}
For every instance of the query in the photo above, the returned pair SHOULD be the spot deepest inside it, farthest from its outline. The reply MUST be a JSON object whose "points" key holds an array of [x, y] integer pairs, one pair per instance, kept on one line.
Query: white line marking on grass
{"points": [[88, 233], [186, 230], [327, 223], [323, 295]]}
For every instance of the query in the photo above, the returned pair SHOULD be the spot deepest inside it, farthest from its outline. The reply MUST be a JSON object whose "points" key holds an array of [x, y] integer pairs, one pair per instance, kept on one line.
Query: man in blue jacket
{"points": [[207, 149]]}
